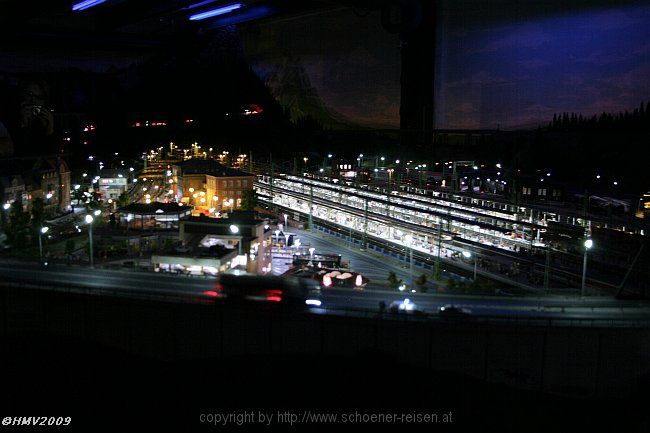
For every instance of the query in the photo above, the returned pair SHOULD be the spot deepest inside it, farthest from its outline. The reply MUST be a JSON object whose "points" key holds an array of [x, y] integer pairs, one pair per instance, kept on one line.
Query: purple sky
{"points": [[519, 74]]}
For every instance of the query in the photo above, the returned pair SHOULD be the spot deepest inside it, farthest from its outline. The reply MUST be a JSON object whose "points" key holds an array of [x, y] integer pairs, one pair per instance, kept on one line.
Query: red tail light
{"points": [[273, 295], [218, 290]]}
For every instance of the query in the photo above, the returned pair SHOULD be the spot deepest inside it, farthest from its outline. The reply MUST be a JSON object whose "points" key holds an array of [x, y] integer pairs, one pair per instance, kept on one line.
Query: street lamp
{"points": [[390, 178], [588, 244], [277, 236], [468, 255], [41, 232], [89, 221], [234, 230], [285, 220], [409, 241]]}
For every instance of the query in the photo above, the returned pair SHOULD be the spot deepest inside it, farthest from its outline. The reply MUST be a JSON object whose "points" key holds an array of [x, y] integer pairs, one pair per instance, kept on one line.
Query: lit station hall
{"points": [[152, 216]]}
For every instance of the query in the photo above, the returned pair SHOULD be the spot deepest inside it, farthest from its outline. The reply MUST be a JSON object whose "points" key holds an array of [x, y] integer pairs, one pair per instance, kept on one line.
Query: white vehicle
{"points": [[406, 306]]}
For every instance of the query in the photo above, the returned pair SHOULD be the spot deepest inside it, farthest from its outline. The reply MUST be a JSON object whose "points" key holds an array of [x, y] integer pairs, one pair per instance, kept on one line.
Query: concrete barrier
{"points": [[586, 362]]}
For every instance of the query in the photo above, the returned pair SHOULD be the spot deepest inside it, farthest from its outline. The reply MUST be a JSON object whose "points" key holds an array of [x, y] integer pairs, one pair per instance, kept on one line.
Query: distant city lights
{"points": [[146, 123]]}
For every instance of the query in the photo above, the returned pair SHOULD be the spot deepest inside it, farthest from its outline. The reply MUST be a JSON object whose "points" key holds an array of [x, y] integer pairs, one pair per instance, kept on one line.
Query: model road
{"points": [[148, 285]]}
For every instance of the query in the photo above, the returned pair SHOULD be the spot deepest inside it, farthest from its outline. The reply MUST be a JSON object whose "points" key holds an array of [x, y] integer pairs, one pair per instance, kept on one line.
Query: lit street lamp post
{"points": [[467, 255], [41, 232], [89, 221], [547, 266], [285, 220], [409, 241], [388, 190], [234, 230], [588, 244], [311, 256]]}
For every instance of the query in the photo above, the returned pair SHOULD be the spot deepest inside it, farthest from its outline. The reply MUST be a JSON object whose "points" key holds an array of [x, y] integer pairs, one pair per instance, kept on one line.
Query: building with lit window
{"points": [[211, 245], [41, 177], [152, 216], [112, 183], [12, 188], [209, 186], [53, 177]]}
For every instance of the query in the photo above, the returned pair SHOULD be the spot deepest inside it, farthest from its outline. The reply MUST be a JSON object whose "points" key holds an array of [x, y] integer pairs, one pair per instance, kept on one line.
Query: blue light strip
{"points": [[86, 4], [215, 12], [198, 5]]}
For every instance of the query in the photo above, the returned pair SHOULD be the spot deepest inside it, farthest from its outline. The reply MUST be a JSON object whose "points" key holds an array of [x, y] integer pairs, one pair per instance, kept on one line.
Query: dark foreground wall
{"points": [[594, 364]]}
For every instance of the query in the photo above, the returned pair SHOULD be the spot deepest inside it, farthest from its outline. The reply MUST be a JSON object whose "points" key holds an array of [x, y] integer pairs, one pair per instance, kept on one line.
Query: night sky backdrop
{"points": [[513, 71], [500, 63], [518, 74]]}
